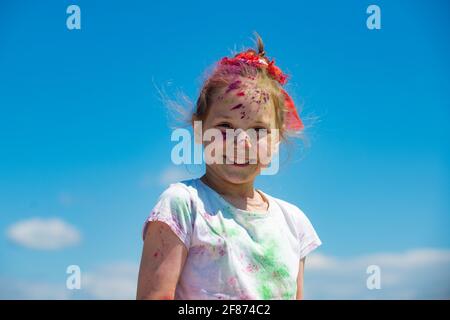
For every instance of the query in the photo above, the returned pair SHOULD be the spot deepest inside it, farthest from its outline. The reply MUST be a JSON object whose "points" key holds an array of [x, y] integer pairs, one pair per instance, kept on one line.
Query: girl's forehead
{"points": [[241, 83], [244, 99]]}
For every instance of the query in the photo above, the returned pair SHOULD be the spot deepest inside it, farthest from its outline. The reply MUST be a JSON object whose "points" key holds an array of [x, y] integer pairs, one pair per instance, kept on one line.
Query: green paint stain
{"points": [[266, 292], [219, 226], [288, 295], [232, 232], [180, 206], [272, 275]]}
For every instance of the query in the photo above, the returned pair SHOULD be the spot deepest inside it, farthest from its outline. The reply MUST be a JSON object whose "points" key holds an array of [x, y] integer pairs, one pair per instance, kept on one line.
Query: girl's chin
{"points": [[237, 175]]}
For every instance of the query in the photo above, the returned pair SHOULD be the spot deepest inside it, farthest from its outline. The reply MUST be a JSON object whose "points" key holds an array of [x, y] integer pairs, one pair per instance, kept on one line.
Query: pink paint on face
{"points": [[233, 86], [237, 106]]}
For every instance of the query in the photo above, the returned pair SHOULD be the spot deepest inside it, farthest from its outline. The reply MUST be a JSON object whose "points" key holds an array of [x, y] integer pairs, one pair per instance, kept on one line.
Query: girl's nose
{"points": [[243, 138]]}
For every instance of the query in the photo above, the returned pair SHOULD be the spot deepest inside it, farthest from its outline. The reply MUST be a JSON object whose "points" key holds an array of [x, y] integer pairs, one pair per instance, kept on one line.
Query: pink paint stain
{"points": [[240, 94], [251, 268], [233, 86], [245, 297], [198, 249], [237, 106], [156, 254], [232, 281]]}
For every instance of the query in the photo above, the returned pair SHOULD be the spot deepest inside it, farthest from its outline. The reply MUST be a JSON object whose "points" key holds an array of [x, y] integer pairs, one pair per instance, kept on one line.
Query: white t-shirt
{"points": [[234, 253]]}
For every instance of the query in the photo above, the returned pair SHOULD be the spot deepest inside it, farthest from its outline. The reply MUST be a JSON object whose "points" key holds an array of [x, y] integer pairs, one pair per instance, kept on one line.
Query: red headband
{"points": [[250, 57]]}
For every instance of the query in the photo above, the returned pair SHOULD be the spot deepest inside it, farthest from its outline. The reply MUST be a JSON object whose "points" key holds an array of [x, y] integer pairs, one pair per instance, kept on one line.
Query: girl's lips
{"points": [[235, 163], [240, 165]]}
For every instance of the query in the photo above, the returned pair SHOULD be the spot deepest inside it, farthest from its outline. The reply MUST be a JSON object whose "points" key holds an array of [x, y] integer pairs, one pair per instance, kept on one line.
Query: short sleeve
{"points": [[309, 240], [174, 208]]}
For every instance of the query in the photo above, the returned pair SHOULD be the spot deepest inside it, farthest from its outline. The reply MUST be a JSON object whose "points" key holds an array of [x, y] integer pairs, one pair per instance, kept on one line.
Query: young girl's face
{"points": [[242, 105]]}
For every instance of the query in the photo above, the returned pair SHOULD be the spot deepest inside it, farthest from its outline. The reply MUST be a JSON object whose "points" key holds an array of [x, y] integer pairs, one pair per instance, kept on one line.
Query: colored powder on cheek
{"points": [[241, 94], [237, 106]]}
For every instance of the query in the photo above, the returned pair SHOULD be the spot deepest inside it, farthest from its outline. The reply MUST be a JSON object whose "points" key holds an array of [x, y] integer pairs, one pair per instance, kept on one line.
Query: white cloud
{"points": [[32, 290], [114, 281], [43, 234], [414, 274]]}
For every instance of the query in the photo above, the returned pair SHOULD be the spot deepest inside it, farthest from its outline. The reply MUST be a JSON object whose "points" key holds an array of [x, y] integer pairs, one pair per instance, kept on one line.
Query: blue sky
{"points": [[84, 137]]}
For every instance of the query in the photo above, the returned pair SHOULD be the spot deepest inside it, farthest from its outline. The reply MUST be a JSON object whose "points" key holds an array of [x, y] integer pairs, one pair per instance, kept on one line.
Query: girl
{"points": [[217, 237]]}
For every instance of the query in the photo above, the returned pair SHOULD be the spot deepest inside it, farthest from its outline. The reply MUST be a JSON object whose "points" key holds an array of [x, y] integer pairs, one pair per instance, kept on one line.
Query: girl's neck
{"points": [[223, 187]]}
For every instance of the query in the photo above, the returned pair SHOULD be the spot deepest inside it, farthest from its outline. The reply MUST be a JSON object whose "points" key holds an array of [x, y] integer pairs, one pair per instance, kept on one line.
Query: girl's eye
{"points": [[224, 125], [262, 129], [262, 132]]}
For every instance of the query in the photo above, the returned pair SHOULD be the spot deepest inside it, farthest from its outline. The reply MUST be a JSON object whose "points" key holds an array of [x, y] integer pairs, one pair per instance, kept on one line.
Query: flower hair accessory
{"points": [[292, 120], [250, 57]]}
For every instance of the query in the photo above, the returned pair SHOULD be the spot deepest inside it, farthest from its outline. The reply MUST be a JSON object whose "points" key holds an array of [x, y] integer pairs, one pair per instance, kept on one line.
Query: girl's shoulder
{"points": [[286, 207], [292, 213], [300, 224], [184, 191], [176, 206]]}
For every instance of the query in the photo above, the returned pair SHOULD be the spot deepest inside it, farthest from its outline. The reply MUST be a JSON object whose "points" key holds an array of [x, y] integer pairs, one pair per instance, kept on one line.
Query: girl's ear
{"points": [[275, 143], [282, 129]]}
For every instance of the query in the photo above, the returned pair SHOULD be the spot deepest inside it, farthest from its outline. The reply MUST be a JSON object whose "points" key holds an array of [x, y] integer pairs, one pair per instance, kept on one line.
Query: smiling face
{"points": [[244, 104]]}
